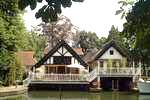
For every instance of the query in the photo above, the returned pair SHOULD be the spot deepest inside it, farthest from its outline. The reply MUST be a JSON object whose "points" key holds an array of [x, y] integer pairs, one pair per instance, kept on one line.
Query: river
{"points": [[63, 95]]}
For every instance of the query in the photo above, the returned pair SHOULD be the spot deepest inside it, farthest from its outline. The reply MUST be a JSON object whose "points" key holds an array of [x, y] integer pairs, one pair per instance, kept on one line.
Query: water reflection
{"points": [[144, 97], [15, 97], [55, 95]]}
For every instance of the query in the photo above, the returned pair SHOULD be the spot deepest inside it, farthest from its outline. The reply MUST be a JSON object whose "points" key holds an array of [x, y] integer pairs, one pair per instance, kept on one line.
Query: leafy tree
{"points": [[124, 8], [12, 31], [50, 11], [89, 40], [62, 29], [36, 43], [114, 34], [137, 30], [119, 38], [19, 69], [102, 41]]}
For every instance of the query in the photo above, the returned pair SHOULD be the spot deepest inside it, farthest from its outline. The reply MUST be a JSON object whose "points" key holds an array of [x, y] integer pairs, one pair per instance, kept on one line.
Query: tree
{"points": [[62, 29], [124, 8], [89, 40], [137, 30], [114, 34], [12, 32], [36, 43], [50, 11]]}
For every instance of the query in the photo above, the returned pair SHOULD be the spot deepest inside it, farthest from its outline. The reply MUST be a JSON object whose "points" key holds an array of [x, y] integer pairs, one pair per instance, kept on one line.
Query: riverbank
{"points": [[12, 90]]}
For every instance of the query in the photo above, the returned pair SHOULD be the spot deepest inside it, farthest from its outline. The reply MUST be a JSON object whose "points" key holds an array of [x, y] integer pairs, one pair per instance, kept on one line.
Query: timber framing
{"points": [[60, 44]]}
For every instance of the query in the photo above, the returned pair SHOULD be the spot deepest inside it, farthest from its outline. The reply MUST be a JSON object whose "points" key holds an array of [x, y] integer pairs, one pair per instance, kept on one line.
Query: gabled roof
{"points": [[90, 55], [114, 44], [77, 50], [59, 45], [26, 58]]}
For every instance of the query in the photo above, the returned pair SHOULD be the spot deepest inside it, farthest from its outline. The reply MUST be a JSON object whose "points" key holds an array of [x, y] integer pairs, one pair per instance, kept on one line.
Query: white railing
{"points": [[26, 82], [58, 77], [92, 75], [137, 74], [119, 71]]}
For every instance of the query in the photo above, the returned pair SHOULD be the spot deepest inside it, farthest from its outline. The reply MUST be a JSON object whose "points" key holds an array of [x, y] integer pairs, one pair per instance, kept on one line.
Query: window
{"points": [[50, 69], [62, 60], [114, 64], [111, 52], [101, 63]]}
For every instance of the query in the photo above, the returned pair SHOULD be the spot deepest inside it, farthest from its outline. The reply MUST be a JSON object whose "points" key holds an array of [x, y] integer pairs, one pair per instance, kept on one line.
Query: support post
{"points": [[33, 75], [133, 64], [98, 82], [140, 67], [98, 75], [113, 85], [98, 67]]}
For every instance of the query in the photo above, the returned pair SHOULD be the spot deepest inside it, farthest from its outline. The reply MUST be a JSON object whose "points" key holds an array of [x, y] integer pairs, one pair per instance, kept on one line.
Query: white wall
{"points": [[116, 54]]}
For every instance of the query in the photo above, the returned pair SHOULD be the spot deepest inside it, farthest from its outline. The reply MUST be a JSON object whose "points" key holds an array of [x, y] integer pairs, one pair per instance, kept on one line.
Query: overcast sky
{"points": [[91, 15]]}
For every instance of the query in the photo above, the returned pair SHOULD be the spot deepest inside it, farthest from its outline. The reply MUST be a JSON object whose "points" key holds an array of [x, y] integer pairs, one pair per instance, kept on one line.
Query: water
{"points": [[54, 95]]}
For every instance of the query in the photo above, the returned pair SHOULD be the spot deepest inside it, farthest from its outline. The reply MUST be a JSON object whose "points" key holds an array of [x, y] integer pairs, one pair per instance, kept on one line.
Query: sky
{"points": [[92, 15]]}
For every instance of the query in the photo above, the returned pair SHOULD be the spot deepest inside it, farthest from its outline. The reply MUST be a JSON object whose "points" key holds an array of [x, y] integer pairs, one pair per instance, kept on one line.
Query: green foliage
{"points": [[14, 72], [50, 11], [36, 43], [19, 69], [123, 10], [114, 34], [137, 31], [12, 32], [138, 23], [89, 40]]}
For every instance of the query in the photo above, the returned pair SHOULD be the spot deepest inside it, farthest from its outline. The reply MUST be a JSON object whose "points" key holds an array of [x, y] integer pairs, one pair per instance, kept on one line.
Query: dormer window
{"points": [[111, 52]]}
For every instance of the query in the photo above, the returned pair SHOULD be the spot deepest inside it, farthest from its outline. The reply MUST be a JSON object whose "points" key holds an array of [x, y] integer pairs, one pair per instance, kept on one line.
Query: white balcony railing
{"points": [[119, 71], [102, 72], [58, 77], [92, 75]]}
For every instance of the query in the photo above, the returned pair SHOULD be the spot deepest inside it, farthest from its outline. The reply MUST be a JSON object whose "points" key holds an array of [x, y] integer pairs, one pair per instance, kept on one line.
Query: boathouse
{"points": [[61, 68], [113, 67], [109, 68]]}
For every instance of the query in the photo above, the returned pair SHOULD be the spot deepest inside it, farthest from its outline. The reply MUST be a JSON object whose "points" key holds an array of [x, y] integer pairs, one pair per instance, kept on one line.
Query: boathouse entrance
{"points": [[116, 83]]}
